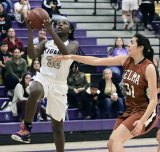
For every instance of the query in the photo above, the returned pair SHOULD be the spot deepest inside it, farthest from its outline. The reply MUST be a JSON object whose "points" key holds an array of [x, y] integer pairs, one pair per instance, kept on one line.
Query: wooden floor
{"points": [[134, 145]]}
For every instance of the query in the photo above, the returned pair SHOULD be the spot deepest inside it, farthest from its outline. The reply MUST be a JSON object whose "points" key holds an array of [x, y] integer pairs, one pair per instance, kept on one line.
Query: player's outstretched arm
{"points": [[95, 61]]}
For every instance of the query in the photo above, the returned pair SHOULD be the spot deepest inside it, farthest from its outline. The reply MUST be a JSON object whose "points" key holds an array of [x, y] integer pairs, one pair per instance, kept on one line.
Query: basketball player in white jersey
{"points": [[51, 81]]}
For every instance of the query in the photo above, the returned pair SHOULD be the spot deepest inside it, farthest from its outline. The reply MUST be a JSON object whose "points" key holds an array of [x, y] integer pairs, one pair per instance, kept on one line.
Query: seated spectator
{"points": [[7, 6], [20, 10], [35, 67], [41, 36], [41, 115], [36, 41], [20, 97], [52, 7], [117, 49], [4, 57], [77, 83], [110, 98], [89, 102], [14, 42], [15, 68], [5, 22]]}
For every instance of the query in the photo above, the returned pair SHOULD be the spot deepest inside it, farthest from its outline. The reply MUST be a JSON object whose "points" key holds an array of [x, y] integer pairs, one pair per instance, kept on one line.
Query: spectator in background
{"points": [[15, 68], [35, 67], [14, 42], [89, 102], [127, 8], [147, 8], [5, 22], [52, 7], [7, 6], [41, 36], [118, 49], [20, 11], [156, 63], [36, 41], [20, 97], [4, 57], [77, 83], [110, 97]]}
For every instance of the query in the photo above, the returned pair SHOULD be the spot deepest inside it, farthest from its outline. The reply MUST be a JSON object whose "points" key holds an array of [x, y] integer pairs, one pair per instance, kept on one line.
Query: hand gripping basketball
{"points": [[36, 18]]}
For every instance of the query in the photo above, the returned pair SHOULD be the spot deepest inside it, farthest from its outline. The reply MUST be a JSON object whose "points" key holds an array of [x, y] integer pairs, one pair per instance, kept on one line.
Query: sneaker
{"points": [[23, 135]]}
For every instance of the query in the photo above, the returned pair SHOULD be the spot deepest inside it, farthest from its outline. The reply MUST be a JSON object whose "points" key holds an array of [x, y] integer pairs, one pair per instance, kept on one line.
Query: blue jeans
{"points": [[113, 108]]}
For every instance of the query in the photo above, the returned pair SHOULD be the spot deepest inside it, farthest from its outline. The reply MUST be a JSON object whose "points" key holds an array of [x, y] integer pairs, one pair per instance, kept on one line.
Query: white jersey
{"points": [[52, 69]]}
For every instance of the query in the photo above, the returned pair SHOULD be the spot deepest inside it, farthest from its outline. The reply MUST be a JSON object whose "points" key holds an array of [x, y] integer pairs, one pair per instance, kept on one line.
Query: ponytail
{"points": [[149, 54], [148, 51]]}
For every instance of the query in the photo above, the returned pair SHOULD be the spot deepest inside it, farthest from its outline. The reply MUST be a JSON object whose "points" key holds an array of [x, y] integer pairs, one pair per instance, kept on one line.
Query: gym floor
{"points": [[133, 145]]}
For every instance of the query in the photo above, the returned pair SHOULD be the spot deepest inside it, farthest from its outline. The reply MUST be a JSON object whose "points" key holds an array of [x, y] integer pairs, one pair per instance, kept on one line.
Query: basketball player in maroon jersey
{"points": [[140, 84]]}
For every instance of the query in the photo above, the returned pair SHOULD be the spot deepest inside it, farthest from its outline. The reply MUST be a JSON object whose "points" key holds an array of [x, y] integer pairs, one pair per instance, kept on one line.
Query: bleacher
{"points": [[91, 45]]}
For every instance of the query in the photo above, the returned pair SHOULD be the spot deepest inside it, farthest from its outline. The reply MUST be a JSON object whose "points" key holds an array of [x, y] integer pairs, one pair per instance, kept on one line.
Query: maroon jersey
{"points": [[135, 85]]}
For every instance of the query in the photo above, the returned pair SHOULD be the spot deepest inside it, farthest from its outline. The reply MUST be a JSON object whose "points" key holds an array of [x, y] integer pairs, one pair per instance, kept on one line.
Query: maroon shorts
{"points": [[129, 121]]}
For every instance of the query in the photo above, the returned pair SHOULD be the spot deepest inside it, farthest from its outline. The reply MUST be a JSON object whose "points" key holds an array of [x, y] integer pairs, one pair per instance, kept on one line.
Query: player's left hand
{"points": [[47, 25], [138, 127]]}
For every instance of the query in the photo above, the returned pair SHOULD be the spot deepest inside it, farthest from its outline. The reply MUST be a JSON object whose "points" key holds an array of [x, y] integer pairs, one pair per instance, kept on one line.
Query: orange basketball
{"points": [[36, 16]]}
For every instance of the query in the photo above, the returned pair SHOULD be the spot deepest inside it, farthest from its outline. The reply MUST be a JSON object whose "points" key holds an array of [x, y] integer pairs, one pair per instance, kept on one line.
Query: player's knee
{"points": [[109, 145], [113, 142], [36, 91], [58, 130], [57, 127]]}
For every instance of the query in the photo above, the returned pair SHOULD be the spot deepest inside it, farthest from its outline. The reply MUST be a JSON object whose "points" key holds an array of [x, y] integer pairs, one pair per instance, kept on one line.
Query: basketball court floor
{"points": [[134, 145]]}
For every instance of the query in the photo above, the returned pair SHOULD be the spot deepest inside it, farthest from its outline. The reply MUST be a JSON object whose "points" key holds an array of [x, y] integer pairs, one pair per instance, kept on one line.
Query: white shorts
{"points": [[56, 94], [129, 5]]}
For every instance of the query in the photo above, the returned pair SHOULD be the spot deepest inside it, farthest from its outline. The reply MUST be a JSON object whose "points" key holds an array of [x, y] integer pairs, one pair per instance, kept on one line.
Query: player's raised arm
{"points": [[31, 50], [63, 49]]}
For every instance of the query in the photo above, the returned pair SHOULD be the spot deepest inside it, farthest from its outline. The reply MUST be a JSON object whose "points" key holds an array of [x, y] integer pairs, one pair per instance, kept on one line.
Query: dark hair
{"points": [[22, 82], [94, 85], [31, 69], [75, 65], [2, 5], [3, 43], [71, 37], [144, 41], [115, 45], [148, 51]]}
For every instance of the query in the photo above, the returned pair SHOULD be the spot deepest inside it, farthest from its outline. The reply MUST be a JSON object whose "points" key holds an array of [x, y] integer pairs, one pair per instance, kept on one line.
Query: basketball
{"points": [[36, 16]]}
